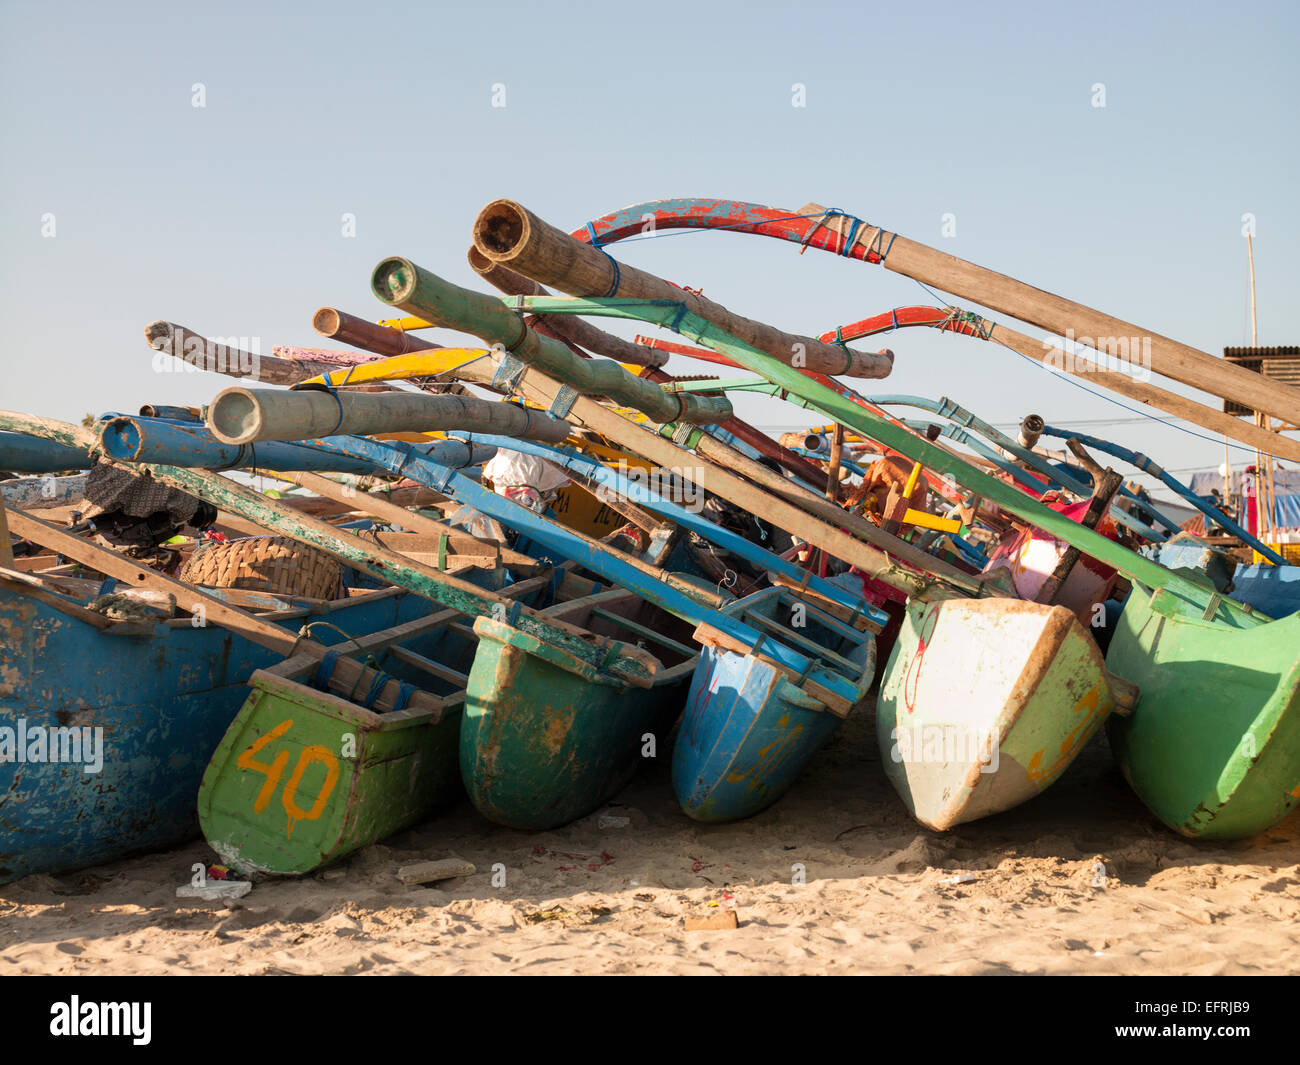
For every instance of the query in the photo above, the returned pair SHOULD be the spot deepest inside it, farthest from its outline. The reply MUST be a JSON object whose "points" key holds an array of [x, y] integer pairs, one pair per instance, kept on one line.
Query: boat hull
{"points": [[746, 736], [303, 778], [163, 700], [1213, 745], [984, 703], [748, 732], [547, 739]]}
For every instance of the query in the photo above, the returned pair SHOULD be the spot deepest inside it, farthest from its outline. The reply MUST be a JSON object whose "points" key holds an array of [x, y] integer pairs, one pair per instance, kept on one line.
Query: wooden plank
{"points": [[25, 584], [391, 512]]}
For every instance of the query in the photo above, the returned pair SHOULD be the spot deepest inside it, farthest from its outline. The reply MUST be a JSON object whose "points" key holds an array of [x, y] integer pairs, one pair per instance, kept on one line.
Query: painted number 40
{"points": [[274, 770]]}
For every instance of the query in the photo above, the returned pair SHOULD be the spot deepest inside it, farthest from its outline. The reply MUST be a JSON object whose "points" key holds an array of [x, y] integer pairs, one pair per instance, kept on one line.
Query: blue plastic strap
{"points": [[512, 616], [339, 402], [564, 400], [508, 372]]}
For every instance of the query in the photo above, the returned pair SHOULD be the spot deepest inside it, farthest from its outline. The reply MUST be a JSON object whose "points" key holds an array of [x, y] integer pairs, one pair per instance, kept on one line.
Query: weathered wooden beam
{"points": [[458, 540]]}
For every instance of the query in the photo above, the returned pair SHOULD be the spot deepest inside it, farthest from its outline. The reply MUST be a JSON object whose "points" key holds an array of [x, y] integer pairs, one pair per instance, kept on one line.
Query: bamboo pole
{"points": [[244, 416], [368, 336], [509, 234], [400, 283], [1171, 358]]}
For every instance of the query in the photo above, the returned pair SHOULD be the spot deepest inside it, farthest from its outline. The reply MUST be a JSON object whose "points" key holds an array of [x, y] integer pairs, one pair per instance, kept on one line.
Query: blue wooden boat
{"points": [[748, 731], [163, 693]]}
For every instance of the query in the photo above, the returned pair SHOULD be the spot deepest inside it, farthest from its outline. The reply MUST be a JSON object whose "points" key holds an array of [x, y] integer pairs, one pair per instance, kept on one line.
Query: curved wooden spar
{"points": [[967, 422], [844, 234], [1154, 469], [246, 415], [509, 234], [400, 283], [369, 336], [956, 320]]}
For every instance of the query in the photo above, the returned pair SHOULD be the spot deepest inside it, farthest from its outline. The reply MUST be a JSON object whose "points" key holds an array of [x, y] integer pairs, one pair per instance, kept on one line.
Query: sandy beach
{"points": [[1024, 892]]}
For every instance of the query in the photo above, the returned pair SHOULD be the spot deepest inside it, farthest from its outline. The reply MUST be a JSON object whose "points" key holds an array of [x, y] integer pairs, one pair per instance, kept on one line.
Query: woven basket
{"points": [[276, 564]]}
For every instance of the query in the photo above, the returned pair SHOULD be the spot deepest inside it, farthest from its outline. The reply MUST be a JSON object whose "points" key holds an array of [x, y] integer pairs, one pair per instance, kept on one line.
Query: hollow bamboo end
{"points": [[394, 280], [500, 229], [159, 335], [234, 416], [119, 438], [326, 321], [478, 262]]}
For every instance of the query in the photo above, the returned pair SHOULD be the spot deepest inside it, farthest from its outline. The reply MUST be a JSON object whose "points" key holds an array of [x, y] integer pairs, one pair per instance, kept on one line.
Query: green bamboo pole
{"points": [[400, 283]]}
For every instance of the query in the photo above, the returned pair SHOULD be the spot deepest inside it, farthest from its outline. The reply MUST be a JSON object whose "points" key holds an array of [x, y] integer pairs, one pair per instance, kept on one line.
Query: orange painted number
{"points": [[273, 769], [310, 754]]}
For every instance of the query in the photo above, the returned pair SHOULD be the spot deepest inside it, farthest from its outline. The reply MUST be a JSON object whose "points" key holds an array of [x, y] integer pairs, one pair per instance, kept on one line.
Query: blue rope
{"points": [[595, 243], [324, 670], [404, 693], [376, 686]]}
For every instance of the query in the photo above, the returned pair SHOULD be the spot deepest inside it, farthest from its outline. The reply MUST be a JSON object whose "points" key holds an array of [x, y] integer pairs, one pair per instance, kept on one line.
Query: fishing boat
{"points": [[547, 739], [966, 730], [749, 729], [306, 775], [138, 707], [1135, 655]]}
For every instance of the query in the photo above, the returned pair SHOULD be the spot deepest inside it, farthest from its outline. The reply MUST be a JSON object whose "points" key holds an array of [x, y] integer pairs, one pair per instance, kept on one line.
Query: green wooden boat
{"points": [[546, 738], [308, 773], [1214, 748]]}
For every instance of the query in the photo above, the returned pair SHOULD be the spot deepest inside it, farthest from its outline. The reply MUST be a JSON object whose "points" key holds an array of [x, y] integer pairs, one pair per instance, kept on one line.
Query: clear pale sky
{"points": [[228, 217]]}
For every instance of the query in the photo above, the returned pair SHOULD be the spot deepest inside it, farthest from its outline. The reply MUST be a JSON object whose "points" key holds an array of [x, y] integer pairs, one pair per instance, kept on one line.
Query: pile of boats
{"points": [[520, 571]]}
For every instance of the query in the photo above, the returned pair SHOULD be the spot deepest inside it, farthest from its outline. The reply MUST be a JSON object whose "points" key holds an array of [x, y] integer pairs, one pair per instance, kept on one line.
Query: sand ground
{"points": [[878, 894]]}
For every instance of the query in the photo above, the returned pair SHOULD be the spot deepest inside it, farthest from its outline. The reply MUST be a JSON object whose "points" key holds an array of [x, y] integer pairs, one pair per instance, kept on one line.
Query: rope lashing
{"points": [[595, 243]]}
